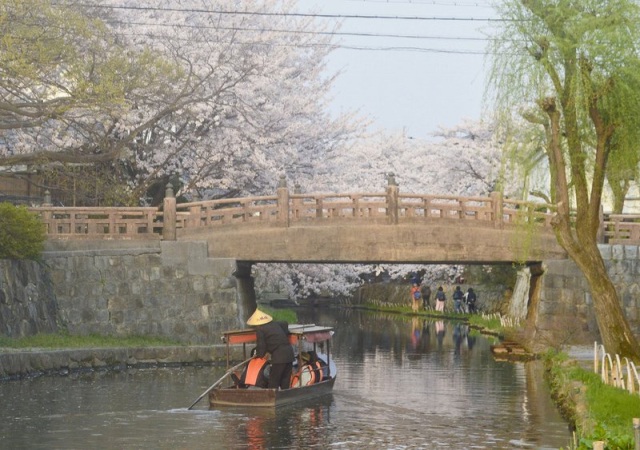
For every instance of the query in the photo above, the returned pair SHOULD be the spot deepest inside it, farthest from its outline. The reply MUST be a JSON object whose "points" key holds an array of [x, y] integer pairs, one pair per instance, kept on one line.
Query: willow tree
{"points": [[568, 66], [622, 173]]}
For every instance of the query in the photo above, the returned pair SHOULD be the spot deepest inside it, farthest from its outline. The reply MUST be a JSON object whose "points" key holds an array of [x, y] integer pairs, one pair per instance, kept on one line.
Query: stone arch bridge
{"points": [[387, 226]]}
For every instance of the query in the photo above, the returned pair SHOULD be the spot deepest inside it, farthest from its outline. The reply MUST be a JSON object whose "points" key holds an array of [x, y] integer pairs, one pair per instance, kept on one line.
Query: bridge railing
{"points": [[414, 206], [520, 211], [621, 228], [285, 208], [210, 213], [388, 207], [494, 210], [306, 207], [101, 223], [371, 206]]}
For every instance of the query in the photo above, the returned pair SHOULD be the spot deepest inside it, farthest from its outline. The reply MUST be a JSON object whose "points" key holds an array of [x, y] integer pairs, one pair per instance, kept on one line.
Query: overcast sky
{"points": [[437, 79]]}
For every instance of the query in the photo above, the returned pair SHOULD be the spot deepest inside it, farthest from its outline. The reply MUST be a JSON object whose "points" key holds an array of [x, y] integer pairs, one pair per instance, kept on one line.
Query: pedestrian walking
{"points": [[441, 298], [471, 301], [416, 297], [457, 300], [425, 290]]}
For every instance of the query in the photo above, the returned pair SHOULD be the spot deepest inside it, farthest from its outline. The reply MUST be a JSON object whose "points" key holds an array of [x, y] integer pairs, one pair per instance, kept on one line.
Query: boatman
{"points": [[273, 337]]}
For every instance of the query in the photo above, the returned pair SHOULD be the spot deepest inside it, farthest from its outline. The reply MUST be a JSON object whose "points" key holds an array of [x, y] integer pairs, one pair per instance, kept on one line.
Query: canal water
{"points": [[402, 383]]}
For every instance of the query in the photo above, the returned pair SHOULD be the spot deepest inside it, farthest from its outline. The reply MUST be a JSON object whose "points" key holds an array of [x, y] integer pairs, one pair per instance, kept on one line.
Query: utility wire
{"points": [[324, 33], [455, 3], [312, 45], [295, 14]]}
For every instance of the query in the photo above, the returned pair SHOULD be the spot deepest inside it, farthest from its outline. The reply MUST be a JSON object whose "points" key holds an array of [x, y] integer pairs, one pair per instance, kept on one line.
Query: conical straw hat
{"points": [[259, 318]]}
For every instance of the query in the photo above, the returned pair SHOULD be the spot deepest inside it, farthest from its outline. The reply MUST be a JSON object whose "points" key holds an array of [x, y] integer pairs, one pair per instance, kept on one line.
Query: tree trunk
{"points": [[620, 186], [615, 331], [578, 236]]}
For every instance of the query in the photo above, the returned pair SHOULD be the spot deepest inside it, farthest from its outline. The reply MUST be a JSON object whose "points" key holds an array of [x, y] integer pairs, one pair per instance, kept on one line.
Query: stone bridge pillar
{"points": [[283, 202], [498, 209], [392, 200], [169, 215], [246, 290]]}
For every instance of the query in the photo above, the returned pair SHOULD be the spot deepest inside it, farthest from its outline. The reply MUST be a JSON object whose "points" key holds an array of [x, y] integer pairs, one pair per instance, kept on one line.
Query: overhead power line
{"points": [[322, 33], [454, 3], [311, 45], [294, 14]]}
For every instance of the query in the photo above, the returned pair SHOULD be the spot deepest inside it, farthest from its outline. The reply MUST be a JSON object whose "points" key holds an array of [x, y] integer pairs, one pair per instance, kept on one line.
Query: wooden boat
{"points": [[305, 338]]}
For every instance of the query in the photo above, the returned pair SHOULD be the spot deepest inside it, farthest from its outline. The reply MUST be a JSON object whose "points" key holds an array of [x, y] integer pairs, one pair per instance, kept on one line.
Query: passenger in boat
{"points": [[313, 370], [319, 367], [306, 376], [255, 373], [273, 338]]}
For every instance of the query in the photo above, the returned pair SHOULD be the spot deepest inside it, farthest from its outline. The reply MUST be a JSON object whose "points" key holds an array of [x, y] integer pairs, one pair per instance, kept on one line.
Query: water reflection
{"points": [[402, 383], [442, 376]]}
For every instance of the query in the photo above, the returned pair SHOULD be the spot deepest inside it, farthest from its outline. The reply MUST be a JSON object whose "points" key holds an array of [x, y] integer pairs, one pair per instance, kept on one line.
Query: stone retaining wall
{"points": [[124, 288], [165, 289], [565, 313], [16, 364], [173, 289], [27, 303]]}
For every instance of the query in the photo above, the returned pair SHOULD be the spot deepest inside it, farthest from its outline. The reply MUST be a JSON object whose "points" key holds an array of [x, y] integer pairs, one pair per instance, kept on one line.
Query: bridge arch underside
{"points": [[360, 243]]}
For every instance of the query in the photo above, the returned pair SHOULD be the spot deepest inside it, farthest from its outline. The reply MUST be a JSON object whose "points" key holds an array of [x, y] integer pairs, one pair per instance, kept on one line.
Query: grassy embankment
{"points": [[65, 340], [491, 325], [599, 412]]}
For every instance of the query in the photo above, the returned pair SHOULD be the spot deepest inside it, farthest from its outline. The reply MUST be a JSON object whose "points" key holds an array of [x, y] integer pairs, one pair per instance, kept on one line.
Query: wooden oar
{"points": [[219, 381]]}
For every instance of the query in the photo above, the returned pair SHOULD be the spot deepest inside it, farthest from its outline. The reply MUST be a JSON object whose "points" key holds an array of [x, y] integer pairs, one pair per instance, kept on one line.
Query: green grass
{"points": [[492, 323], [281, 314], [421, 312], [611, 410], [63, 340]]}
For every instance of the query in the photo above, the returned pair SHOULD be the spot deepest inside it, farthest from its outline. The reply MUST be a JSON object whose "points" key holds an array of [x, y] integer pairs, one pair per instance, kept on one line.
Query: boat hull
{"points": [[257, 397]]}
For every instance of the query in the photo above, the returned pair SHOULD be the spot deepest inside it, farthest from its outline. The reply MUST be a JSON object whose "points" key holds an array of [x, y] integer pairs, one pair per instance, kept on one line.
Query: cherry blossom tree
{"points": [[237, 97], [256, 104]]}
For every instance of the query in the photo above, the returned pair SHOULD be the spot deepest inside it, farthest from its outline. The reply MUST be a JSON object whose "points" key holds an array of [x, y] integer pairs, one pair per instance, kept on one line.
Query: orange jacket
{"points": [[251, 375]]}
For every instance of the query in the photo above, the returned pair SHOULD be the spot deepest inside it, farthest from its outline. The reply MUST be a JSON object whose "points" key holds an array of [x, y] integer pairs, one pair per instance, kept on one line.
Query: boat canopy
{"points": [[297, 332]]}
